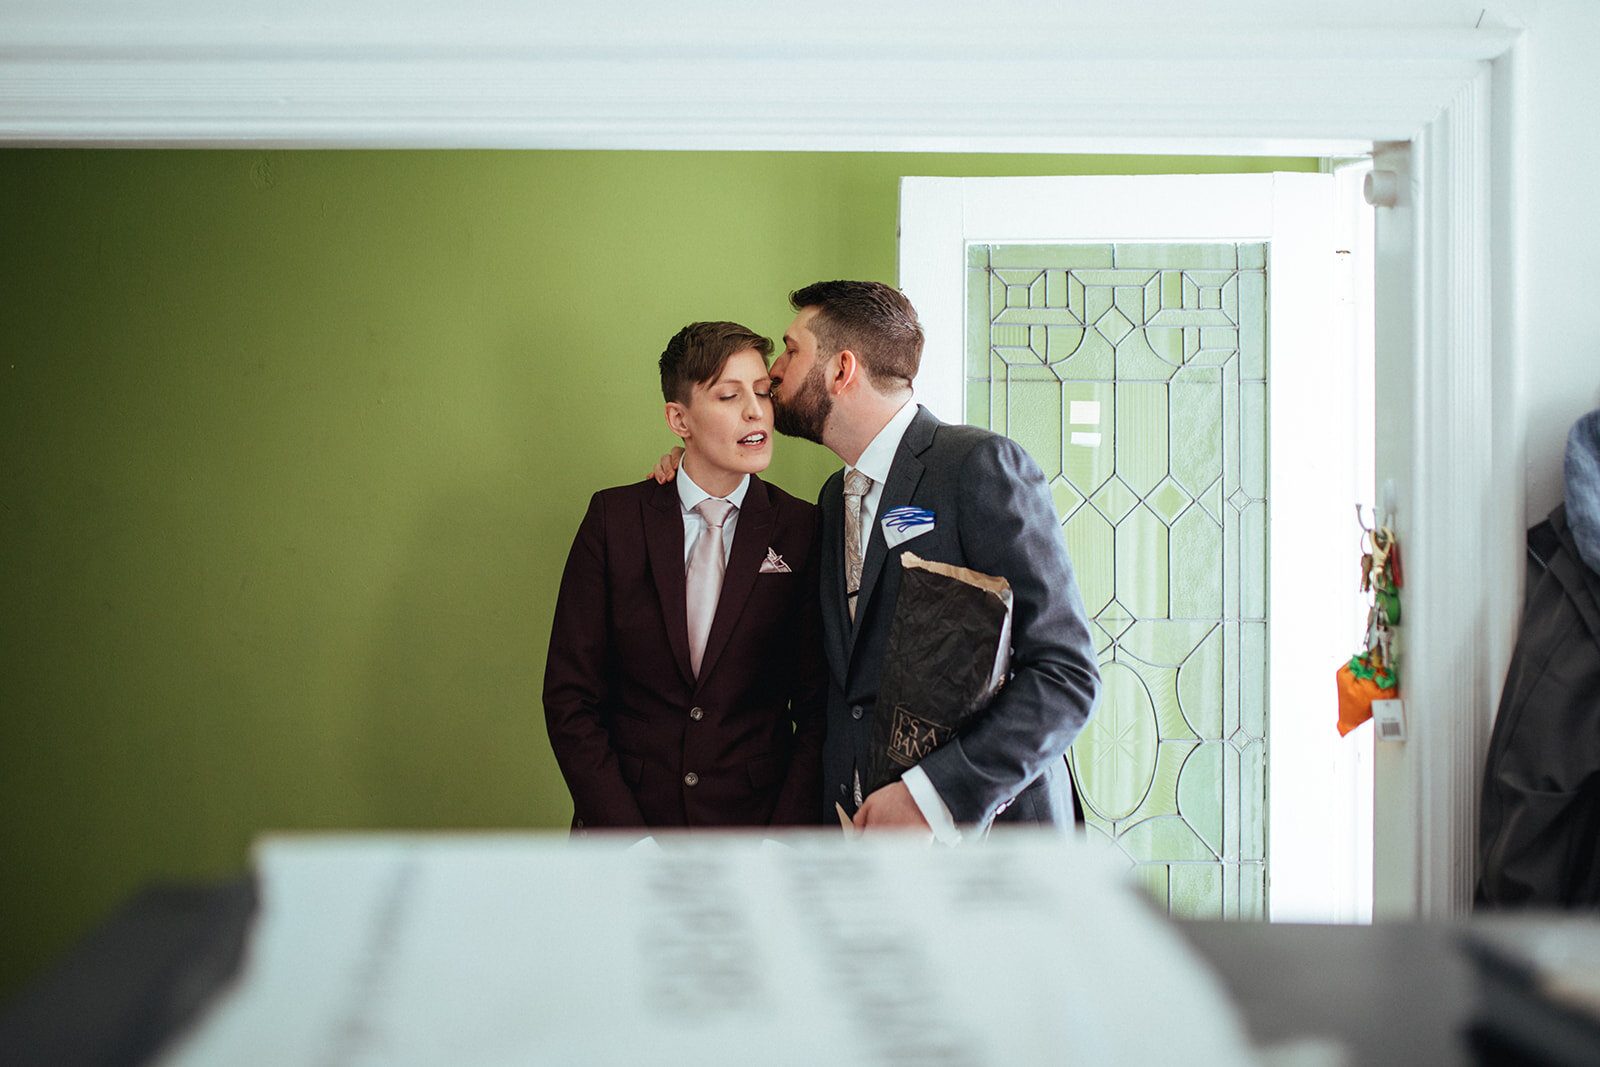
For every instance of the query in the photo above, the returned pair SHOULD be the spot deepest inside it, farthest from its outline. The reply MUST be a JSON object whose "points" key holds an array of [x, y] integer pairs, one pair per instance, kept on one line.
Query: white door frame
{"points": [[899, 75], [1312, 536]]}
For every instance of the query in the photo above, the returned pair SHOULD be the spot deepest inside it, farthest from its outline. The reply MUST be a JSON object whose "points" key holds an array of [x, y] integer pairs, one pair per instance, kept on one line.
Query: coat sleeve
{"points": [[800, 800], [1008, 527], [577, 683]]}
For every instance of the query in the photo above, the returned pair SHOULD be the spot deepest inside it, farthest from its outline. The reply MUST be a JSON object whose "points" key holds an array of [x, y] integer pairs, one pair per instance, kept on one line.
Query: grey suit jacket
{"points": [[993, 513]]}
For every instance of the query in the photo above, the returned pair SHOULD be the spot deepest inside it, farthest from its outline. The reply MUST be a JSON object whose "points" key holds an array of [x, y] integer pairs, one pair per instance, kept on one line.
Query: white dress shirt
{"points": [[875, 461], [689, 496]]}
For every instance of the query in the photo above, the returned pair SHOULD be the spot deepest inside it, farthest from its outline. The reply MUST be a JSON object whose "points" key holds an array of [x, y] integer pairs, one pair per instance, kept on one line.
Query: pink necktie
{"points": [[706, 564]]}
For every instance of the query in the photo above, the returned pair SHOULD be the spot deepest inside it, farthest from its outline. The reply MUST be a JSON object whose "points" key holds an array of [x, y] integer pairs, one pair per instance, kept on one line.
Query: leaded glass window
{"points": [[1135, 374]]}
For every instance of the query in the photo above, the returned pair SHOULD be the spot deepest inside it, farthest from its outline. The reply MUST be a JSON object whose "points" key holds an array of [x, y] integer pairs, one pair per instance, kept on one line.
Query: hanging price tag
{"points": [[1389, 716]]}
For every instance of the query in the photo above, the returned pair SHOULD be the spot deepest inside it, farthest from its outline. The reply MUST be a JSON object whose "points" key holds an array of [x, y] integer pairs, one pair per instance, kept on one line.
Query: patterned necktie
{"points": [[704, 570], [856, 485]]}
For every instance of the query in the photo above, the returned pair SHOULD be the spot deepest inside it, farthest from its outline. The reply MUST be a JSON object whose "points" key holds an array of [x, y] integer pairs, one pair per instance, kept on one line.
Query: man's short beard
{"points": [[803, 411]]}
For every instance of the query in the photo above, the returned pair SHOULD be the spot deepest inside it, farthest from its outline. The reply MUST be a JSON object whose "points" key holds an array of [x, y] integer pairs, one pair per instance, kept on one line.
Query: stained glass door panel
{"points": [[1136, 375]]}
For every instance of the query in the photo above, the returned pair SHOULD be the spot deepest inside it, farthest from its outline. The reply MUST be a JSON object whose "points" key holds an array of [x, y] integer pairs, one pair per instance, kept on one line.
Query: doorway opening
{"points": [[1189, 358]]}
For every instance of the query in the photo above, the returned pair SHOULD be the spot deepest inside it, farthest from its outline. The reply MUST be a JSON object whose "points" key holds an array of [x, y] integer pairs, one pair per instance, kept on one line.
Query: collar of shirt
{"points": [[690, 494], [875, 461]]}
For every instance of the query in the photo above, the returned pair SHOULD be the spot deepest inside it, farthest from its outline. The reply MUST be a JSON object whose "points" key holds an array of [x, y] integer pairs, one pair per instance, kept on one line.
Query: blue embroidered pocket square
{"points": [[903, 523]]}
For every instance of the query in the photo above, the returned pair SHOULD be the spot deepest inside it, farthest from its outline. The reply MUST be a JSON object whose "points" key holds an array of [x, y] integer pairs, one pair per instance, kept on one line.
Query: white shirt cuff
{"points": [[932, 806]]}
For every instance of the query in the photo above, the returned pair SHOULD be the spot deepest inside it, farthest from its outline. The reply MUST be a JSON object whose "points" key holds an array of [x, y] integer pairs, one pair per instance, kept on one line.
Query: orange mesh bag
{"points": [[1359, 685]]}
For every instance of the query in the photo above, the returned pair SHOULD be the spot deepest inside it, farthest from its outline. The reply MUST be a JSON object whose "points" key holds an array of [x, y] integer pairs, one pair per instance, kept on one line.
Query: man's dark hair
{"points": [[873, 320], [698, 352]]}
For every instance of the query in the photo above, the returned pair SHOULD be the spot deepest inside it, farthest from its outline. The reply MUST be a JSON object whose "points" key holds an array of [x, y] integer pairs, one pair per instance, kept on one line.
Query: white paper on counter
{"points": [[712, 949]]}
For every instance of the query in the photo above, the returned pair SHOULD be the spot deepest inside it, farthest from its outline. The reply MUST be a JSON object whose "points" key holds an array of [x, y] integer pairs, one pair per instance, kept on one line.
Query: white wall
{"points": [[1555, 168]]}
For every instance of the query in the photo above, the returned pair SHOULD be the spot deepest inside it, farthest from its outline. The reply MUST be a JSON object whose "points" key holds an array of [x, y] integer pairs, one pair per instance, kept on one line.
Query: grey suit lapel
{"points": [[835, 615], [904, 475]]}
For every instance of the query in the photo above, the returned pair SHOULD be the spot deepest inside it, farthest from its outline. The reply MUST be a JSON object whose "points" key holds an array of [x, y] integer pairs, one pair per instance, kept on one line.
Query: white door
{"points": [[1168, 348]]}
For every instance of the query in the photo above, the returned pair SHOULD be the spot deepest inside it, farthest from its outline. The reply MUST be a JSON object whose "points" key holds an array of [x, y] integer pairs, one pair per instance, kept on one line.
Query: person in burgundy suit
{"points": [[685, 684]]}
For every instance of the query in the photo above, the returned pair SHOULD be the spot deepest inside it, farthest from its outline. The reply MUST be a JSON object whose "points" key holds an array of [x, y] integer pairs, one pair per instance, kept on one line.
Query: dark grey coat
{"points": [[1539, 830], [993, 513], [1540, 823]]}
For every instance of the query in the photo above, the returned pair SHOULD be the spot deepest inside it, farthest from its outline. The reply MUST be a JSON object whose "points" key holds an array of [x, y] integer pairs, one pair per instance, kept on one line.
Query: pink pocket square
{"points": [[774, 564]]}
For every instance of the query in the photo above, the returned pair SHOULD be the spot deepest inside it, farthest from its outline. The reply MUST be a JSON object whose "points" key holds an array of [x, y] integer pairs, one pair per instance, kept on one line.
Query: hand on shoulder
{"points": [[666, 468]]}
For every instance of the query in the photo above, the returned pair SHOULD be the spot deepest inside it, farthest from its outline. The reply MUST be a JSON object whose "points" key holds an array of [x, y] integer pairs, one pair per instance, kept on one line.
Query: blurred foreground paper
{"points": [[948, 653], [492, 950]]}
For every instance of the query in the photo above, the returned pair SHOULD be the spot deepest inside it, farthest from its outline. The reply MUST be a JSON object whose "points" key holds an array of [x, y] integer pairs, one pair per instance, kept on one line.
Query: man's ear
{"points": [[677, 419], [849, 367]]}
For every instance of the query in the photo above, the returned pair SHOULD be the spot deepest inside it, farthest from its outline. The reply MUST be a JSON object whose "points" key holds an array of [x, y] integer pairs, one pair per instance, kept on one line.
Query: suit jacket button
{"points": [[856, 712], [696, 714], [691, 779]]}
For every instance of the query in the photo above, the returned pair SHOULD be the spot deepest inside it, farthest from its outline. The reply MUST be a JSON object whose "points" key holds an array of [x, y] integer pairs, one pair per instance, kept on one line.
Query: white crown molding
{"points": [[711, 74]]}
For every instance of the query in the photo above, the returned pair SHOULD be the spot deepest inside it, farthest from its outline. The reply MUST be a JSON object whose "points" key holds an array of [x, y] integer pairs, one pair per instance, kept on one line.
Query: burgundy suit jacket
{"points": [[640, 740]]}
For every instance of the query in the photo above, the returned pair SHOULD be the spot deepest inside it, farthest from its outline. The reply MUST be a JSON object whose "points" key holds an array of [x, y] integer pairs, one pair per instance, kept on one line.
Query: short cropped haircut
{"points": [[873, 320], [698, 352]]}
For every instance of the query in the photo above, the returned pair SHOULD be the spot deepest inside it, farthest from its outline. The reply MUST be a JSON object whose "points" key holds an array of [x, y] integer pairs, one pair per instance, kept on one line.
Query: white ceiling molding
{"points": [[719, 74]]}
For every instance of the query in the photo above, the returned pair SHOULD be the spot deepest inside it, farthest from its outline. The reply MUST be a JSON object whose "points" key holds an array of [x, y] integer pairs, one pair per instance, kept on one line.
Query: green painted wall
{"points": [[292, 446]]}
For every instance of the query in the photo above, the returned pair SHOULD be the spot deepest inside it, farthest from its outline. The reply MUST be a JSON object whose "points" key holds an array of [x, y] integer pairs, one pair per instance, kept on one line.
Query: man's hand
{"points": [[666, 467], [891, 808]]}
